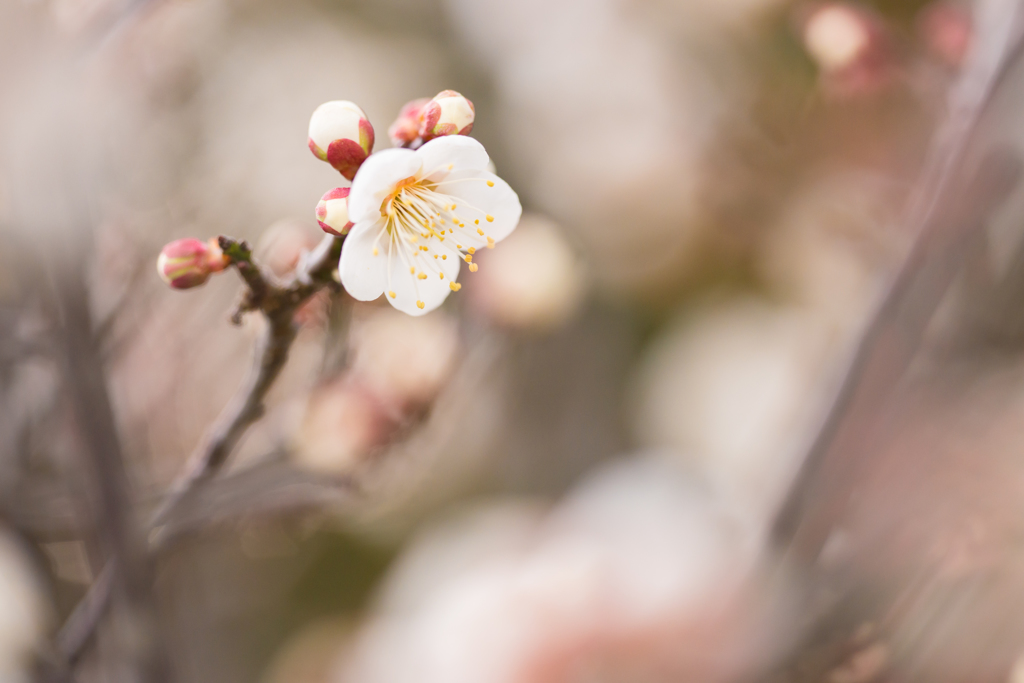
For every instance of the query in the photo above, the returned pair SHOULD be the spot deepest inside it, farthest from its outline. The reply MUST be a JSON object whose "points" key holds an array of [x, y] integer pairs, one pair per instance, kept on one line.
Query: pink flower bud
{"points": [[406, 128], [449, 113], [341, 135], [188, 262], [332, 212]]}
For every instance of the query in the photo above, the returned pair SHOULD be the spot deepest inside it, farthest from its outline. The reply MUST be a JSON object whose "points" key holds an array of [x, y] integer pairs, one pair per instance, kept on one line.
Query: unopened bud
{"points": [[406, 128], [341, 135], [448, 113], [188, 262], [332, 212]]}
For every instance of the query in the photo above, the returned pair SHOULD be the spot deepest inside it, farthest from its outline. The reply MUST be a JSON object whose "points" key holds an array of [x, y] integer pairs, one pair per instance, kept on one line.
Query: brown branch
{"points": [[278, 302]]}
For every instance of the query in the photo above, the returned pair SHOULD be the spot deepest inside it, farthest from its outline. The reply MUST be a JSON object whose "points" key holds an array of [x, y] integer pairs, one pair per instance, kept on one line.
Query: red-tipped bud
{"points": [[188, 262], [341, 135], [406, 128], [332, 212], [448, 113]]}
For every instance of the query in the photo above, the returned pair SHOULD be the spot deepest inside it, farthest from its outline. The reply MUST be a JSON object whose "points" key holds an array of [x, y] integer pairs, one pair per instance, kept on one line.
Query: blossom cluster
{"points": [[413, 214]]}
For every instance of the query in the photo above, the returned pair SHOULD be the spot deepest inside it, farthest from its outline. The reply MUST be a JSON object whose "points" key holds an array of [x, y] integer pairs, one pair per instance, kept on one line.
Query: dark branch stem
{"points": [[278, 302]]}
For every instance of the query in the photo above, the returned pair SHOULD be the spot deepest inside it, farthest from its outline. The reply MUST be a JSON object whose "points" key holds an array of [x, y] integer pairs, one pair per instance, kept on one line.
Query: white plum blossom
{"points": [[416, 215]]}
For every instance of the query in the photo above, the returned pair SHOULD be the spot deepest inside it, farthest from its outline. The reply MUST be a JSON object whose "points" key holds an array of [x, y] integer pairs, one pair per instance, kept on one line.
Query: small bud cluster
{"points": [[341, 134], [189, 262], [421, 120]]}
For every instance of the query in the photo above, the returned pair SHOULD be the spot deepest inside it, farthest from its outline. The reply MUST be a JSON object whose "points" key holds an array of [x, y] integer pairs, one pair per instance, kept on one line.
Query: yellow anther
{"points": [[453, 208], [458, 246], [471, 250], [441, 275], [424, 249], [467, 258], [473, 267], [477, 221], [435, 255], [490, 243], [412, 270], [392, 295], [375, 251], [490, 218], [455, 286], [422, 276], [444, 257], [479, 231], [420, 304], [490, 183]]}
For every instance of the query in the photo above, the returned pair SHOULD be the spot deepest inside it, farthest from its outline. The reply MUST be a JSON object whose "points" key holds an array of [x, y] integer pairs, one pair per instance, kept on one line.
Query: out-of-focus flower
{"points": [[533, 281], [732, 390], [850, 47], [448, 113], [188, 262], [404, 362], [343, 422], [332, 212], [946, 30], [341, 135], [416, 215], [636, 576], [23, 617], [406, 127], [282, 244]]}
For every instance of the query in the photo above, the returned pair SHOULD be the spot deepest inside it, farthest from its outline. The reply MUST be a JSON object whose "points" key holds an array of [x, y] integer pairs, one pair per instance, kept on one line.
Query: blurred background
{"points": [[572, 471]]}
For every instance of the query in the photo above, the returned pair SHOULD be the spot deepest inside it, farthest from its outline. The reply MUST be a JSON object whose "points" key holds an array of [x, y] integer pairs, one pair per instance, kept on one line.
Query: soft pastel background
{"points": [[569, 472]]}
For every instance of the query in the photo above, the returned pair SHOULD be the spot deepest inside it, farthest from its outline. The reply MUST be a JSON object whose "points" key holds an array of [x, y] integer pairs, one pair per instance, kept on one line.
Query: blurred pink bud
{"points": [[341, 135], [188, 262], [332, 212], [850, 46], [448, 113], [406, 128], [946, 30]]}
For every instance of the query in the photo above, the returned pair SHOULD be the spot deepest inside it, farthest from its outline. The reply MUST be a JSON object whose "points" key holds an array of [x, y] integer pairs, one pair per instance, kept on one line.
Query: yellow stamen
{"points": [[441, 275], [375, 251], [480, 231], [392, 295], [420, 304], [473, 267], [490, 183], [422, 276], [471, 250], [490, 218], [455, 286]]}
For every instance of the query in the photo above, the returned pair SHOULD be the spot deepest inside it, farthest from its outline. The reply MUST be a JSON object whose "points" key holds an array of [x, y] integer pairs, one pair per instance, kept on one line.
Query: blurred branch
{"points": [[947, 222], [102, 450]]}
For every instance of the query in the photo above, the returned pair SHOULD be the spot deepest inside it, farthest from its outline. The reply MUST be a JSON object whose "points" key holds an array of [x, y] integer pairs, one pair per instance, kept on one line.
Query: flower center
{"points": [[424, 226]]}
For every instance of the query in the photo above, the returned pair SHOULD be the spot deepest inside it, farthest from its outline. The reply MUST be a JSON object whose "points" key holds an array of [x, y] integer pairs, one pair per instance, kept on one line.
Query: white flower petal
{"points": [[364, 275], [475, 200], [376, 178], [409, 288], [458, 151]]}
